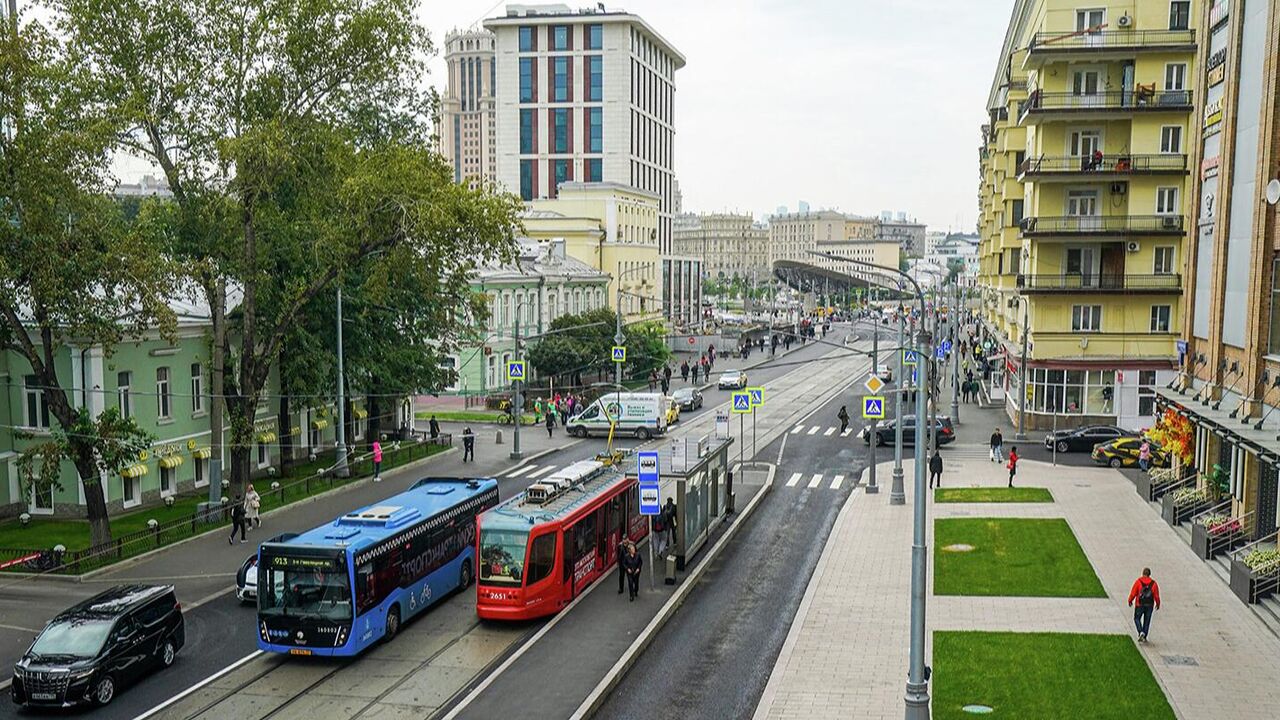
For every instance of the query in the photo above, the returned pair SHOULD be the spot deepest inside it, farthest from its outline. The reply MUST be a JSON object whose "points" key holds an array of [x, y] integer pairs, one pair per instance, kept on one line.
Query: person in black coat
{"points": [[935, 470], [632, 562], [434, 426], [622, 571], [237, 520]]}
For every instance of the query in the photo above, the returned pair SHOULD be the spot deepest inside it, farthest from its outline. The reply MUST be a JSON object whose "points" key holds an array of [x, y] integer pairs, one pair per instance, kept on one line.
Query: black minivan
{"points": [[88, 652]]}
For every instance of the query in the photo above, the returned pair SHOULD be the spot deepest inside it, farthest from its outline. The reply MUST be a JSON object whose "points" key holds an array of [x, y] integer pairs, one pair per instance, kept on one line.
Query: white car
{"points": [[247, 576], [884, 373], [732, 380]]}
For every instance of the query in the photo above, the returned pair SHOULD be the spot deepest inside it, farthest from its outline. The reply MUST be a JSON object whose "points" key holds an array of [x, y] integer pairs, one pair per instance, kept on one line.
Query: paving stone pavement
{"points": [[846, 653]]}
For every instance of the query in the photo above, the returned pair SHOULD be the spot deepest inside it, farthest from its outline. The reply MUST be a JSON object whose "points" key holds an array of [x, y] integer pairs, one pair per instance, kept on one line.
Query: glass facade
{"points": [[1072, 392], [560, 128], [526, 80], [526, 179], [595, 130], [560, 79], [560, 37], [595, 37], [595, 170], [595, 78], [562, 173], [527, 43], [526, 132]]}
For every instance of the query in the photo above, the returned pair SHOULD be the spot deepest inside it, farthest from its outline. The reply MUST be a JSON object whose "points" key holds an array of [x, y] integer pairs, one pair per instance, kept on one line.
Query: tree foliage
{"points": [[583, 343]]}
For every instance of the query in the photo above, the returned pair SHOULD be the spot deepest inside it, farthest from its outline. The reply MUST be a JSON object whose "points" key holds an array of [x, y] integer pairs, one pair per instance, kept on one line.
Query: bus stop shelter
{"points": [[695, 473]]}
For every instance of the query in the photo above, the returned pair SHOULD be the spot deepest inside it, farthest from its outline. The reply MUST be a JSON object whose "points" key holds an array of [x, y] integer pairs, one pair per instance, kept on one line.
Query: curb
{"points": [[638, 646]]}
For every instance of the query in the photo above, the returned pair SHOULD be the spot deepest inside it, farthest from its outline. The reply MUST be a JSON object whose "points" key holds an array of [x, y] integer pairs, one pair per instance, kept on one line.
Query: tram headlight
{"points": [[341, 638]]}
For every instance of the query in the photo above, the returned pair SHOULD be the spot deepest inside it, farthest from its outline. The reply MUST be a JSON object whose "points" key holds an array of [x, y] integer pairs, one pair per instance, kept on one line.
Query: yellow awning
{"points": [[203, 453], [266, 437], [134, 471], [361, 414], [296, 430], [170, 461], [319, 424]]}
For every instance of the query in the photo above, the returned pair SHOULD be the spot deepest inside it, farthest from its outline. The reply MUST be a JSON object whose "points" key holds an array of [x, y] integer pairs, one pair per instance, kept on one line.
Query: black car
{"points": [[886, 431], [88, 652], [1083, 439], [688, 398]]}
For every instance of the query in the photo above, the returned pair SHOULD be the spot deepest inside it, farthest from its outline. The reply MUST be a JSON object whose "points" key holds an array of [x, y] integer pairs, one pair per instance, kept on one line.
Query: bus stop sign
{"points": [[649, 480]]}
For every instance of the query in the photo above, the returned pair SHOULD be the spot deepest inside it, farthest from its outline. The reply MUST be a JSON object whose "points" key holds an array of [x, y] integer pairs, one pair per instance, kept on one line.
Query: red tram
{"points": [[540, 549]]}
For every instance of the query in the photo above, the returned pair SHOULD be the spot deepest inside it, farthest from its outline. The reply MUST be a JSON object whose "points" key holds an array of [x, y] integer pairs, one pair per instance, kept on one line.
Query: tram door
{"points": [[613, 531]]}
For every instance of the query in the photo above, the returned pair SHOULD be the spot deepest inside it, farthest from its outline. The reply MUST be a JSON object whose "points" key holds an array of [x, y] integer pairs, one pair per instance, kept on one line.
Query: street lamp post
{"points": [[340, 468], [872, 487], [897, 494], [517, 398], [955, 360]]}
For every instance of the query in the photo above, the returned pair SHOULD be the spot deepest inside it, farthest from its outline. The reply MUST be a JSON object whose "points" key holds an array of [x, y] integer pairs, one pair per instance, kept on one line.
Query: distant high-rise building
{"points": [[804, 207], [466, 126]]}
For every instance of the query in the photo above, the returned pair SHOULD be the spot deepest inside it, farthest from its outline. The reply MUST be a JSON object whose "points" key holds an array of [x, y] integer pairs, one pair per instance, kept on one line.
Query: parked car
{"points": [[1084, 438], [884, 372], [687, 398], [88, 652], [732, 380], [247, 575], [1123, 452], [886, 431]]}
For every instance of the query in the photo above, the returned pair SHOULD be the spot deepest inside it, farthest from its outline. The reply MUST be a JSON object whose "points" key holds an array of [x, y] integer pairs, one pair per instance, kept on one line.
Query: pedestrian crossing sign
{"points": [[910, 357], [619, 353], [515, 370], [941, 352], [757, 395], [873, 384], [742, 402], [873, 407]]}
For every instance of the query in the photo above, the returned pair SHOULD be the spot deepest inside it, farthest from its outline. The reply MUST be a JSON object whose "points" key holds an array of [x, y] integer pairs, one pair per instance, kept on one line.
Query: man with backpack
{"points": [[1146, 593]]}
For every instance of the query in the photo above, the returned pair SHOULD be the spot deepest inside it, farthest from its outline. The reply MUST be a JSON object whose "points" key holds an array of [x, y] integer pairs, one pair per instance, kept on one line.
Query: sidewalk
{"points": [[846, 653]]}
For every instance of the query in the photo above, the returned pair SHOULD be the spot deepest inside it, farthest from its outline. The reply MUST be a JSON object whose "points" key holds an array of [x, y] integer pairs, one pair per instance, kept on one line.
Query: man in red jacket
{"points": [[1146, 593]]}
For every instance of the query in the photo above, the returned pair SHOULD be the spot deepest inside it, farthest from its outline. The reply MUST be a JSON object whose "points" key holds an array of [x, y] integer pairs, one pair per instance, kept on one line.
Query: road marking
{"points": [[520, 470], [817, 478], [795, 478], [829, 431], [837, 482], [176, 698], [543, 471], [846, 432], [813, 430], [798, 429]]}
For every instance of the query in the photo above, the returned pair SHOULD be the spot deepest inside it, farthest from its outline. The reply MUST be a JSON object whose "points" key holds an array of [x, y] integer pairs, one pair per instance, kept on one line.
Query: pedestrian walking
{"points": [[237, 520], [252, 504], [997, 446], [622, 570], [843, 416], [1146, 593], [551, 423], [632, 562], [669, 521], [653, 379], [468, 445], [1144, 455], [694, 371], [935, 469], [1012, 464], [377, 461], [666, 386], [684, 371], [434, 427]]}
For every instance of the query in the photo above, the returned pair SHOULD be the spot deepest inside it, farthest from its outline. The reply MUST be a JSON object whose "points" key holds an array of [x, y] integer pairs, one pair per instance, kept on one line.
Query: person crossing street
{"points": [[843, 416]]}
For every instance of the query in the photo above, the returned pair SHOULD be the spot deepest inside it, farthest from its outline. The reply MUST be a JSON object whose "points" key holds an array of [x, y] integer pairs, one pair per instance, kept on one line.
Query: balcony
{"points": [[1075, 168], [1100, 283], [1102, 44], [1142, 99], [1102, 225]]}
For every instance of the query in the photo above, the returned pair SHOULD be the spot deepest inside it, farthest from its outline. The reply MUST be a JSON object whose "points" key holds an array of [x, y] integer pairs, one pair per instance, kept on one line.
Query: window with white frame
{"points": [[1146, 392], [124, 393], [1160, 318], [41, 500], [1175, 76], [1167, 201], [1164, 260], [1171, 139], [200, 465], [132, 494], [36, 412], [197, 388], [163, 399], [1086, 318], [167, 481]]}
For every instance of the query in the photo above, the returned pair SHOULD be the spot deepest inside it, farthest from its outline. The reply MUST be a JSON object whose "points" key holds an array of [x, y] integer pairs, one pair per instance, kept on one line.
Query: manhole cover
{"points": [[1179, 660], [958, 547], [978, 709]]}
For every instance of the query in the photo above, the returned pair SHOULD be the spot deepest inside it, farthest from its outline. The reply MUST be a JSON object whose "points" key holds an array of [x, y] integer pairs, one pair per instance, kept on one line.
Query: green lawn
{"points": [[1045, 676], [475, 416], [1020, 557], [993, 495]]}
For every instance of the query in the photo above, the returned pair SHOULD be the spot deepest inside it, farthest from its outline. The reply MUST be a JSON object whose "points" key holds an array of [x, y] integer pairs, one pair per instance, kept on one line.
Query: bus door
{"points": [[615, 525]]}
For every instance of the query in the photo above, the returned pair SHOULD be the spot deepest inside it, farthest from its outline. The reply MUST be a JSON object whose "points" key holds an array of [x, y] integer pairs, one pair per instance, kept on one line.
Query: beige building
{"points": [[878, 252], [729, 245], [467, 119], [858, 227], [792, 236]]}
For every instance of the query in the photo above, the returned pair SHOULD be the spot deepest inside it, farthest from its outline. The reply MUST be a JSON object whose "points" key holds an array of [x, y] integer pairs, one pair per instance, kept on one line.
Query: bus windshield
{"points": [[502, 556], [306, 586]]}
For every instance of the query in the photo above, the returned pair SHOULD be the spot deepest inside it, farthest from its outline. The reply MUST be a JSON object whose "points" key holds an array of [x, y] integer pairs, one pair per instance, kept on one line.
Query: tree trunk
{"points": [[217, 404], [374, 403], [241, 411], [94, 501], [286, 435]]}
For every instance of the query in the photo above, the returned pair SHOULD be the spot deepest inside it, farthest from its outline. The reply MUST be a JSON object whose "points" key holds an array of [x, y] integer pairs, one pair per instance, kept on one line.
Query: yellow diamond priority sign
{"points": [[873, 384]]}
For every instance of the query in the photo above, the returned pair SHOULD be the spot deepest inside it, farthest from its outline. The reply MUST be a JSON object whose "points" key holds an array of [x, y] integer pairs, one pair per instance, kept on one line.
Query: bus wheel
{"points": [[464, 579], [393, 623], [642, 433]]}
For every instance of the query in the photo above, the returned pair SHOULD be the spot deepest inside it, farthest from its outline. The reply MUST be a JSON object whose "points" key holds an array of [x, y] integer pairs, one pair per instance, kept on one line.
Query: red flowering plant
{"points": [[1174, 434]]}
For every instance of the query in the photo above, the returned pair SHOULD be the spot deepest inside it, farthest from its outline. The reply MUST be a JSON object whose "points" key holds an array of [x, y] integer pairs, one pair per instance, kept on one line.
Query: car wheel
{"points": [[464, 577], [642, 433], [1116, 462], [1062, 446], [168, 653], [105, 690], [392, 627]]}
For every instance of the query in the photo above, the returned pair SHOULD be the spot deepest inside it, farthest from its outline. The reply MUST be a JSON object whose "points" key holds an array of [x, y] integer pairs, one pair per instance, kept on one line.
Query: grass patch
{"points": [[993, 495], [1046, 676], [1019, 557], [475, 416]]}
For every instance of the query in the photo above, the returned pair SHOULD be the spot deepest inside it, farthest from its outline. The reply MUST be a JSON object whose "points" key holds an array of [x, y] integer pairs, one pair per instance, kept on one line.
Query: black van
{"points": [[89, 651]]}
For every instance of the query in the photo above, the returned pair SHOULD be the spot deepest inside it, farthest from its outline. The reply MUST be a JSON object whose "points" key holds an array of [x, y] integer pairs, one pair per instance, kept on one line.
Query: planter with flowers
{"points": [[1255, 575], [1185, 503], [1215, 532], [1152, 485]]}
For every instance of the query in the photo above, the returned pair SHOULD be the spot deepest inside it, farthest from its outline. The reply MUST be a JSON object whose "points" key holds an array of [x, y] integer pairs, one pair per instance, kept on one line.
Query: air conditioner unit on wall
{"points": [[1171, 222], [1125, 21], [1132, 246]]}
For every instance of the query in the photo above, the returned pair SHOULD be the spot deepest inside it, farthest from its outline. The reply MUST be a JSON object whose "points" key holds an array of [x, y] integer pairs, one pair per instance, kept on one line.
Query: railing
{"points": [[1110, 39], [1100, 282], [1140, 98], [1123, 164], [1103, 224], [1264, 585]]}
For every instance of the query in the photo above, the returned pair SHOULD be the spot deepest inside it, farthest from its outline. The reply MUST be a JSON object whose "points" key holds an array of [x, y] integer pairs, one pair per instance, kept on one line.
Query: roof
{"points": [[539, 259], [548, 14], [516, 514], [118, 599]]}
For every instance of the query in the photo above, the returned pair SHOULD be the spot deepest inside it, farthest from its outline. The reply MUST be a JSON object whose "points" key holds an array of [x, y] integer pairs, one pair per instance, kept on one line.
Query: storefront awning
{"points": [[295, 430], [169, 462], [266, 437], [203, 453], [134, 471], [361, 414], [319, 424]]}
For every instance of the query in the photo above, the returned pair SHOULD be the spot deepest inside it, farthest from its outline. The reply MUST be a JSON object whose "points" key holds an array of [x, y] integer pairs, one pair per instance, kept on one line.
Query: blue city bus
{"points": [[343, 586]]}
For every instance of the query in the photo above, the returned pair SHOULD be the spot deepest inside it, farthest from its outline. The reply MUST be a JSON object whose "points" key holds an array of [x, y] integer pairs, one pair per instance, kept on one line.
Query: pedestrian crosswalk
{"points": [[815, 481], [825, 431], [809, 481]]}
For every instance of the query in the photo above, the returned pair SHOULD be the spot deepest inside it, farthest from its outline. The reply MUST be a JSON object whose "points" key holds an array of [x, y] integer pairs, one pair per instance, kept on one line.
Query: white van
{"points": [[643, 415]]}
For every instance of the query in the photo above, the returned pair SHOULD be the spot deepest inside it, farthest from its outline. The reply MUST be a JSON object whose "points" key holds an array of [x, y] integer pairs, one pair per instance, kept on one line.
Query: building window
{"points": [[526, 132], [37, 412], [123, 395], [595, 37], [41, 498], [560, 37], [163, 399], [264, 455], [526, 80], [1175, 76], [1146, 392], [202, 474], [166, 481], [560, 79], [1160, 318], [1086, 318], [132, 491], [1167, 201], [562, 173], [1180, 14], [595, 170], [595, 78], [526, 179], [1164, 260], [1273, 341], [528, 43], [595, 130], [560, 134], [1015, 261], [1015, 213], [197, 388], [1171, 139]]}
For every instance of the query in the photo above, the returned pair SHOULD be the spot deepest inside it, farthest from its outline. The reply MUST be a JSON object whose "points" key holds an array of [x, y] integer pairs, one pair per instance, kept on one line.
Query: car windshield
{"points": [[684, 394], [74, 636], [502, 556], [308, 587]]}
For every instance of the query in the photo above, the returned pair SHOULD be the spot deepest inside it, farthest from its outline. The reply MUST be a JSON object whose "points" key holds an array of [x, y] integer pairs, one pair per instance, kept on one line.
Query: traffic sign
{"points": [[946, 345], [940, 353], [515, 370], [910, 357], [742, 402], [1181, 345], [619, 353], [915, 377], [873, 384], [757, 395], [873, 407], [649, 481]]}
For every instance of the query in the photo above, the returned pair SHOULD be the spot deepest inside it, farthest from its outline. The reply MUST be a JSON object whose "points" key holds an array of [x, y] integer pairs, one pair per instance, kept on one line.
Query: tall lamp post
{"points": [[340, 468]]}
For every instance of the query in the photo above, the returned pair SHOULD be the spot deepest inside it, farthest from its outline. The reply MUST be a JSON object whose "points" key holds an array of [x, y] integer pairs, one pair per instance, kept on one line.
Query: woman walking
{"points": [[1013, 464], [252, 502]]}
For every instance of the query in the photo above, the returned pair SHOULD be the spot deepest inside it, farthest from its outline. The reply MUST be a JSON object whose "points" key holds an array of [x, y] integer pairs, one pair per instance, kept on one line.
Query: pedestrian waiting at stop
{"points": [[843, 416], [669, 521], [377, 461], [468, 445], [1146, 593], [632, 562], [935, 469], [622, 571]]}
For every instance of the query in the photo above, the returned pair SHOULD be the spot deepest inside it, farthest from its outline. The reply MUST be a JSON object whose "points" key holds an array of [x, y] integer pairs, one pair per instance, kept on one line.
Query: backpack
{"points": [[659, 522], [1146, 593]]}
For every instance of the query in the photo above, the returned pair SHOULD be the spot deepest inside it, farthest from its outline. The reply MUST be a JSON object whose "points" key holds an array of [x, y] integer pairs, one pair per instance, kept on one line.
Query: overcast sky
{"points": [[852, 104]]}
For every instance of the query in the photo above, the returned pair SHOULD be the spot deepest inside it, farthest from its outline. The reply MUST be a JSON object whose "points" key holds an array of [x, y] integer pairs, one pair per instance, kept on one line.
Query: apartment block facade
{"points": [[1084, 191], [467, 127], [728, 244]]}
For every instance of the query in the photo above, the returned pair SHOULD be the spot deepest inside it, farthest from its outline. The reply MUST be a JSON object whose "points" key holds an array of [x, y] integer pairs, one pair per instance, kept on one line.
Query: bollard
{"points": [[498, 438]]}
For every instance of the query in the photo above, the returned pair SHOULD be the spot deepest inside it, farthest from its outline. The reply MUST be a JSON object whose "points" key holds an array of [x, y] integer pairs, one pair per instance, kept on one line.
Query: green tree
{"points": [[72, 271], [295, 136]]}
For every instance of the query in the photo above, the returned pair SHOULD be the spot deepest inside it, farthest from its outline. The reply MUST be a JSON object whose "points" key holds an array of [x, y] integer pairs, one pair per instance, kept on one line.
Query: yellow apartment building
{"points": [[1084, 184]]}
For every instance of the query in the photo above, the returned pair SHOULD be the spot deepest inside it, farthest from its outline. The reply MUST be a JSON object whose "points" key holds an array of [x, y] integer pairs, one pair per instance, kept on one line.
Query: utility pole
{"points": [[340, 468], [917, 693], [872, 487], [517, 402], [618, 337], [897, 493], [1022, 373], [217, 401], [955, 359]]}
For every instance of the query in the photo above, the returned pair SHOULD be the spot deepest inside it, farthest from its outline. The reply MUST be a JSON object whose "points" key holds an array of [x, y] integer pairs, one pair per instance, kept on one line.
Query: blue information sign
{"points": [[940, 353], [649, 482], [1182, 347], [946, 345]]}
